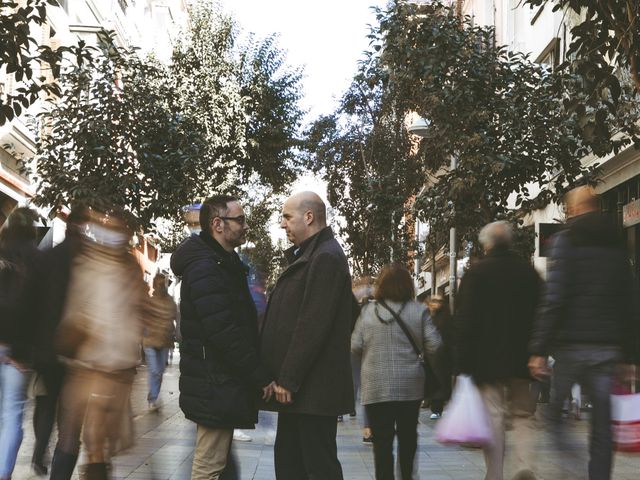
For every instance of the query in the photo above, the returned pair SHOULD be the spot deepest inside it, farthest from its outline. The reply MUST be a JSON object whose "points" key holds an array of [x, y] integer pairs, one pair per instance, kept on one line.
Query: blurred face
{"points": [[106, 230], [231, 229], [295, 222], [434, 305]]}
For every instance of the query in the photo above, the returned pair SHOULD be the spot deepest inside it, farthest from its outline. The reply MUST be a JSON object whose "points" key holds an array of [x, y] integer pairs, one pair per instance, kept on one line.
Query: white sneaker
{"points": [[240, 436], [154, 406], [435, 416]]}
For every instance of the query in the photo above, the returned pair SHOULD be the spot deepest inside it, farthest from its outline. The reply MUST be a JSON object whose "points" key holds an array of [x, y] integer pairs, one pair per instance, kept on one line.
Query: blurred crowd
{"points": [[76, 320]]}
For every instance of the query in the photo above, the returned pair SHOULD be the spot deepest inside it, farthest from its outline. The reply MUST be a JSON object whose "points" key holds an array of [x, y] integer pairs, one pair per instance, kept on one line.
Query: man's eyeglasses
{"points": [[241, 219]]}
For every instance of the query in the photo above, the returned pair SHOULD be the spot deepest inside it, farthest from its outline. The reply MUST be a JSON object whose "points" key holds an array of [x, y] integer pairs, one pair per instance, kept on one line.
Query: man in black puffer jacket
{"points": [[221, 376], [587, 320]]}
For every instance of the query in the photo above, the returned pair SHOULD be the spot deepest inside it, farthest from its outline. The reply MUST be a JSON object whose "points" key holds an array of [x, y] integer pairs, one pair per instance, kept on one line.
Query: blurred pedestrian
{"points": [[305, 343], [221, 376], [442, 361], [497, 302], [363, 293], [587, 321], [387, 334], [159, 318], [50, 284], [17, 257], [99, 336]]}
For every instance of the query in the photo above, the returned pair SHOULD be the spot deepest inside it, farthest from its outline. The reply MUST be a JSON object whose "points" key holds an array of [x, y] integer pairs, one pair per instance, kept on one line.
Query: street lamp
{"points": [[420, 128]]}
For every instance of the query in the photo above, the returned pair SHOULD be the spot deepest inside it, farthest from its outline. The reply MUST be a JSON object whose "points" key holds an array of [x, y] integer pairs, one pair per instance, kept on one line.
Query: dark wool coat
{"points": [[497, 303], [307, 329], [17, 323], [589, 294], [220, 372]]}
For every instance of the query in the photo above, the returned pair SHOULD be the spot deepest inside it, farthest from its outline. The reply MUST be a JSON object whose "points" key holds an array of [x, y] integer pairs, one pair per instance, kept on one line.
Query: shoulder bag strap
{"points": [[404, 328]]}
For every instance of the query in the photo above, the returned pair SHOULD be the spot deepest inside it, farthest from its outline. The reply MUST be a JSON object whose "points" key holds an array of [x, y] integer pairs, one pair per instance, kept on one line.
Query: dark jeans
{"points": [[305, 448], [386, 419], [592, 367], [44, 414]]}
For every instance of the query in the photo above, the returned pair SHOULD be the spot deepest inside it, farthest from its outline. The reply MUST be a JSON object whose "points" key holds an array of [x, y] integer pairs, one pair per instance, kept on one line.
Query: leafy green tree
{"points": [[512, 124], [271, 92], [363, 152], [605, 53], [28, 61], [114, 138]]}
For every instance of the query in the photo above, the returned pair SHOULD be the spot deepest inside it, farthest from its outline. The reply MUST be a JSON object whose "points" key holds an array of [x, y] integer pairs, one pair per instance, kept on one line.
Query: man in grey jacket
{"points": [[305, 343]]}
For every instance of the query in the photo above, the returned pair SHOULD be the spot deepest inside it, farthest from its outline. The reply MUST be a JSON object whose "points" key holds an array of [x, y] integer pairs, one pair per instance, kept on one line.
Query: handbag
{"points": [[466, 421]]}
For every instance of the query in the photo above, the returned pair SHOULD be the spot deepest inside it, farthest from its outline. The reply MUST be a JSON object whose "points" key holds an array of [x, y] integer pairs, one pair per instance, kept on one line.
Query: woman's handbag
{"points": [[465, 421]]}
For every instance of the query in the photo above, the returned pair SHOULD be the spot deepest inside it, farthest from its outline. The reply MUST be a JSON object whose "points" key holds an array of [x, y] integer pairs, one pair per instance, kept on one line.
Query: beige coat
{"points": [[105, 302]]}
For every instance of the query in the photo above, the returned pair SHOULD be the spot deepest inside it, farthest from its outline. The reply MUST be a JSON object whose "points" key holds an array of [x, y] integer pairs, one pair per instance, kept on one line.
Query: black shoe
{"points": [[352, 414], [94, 471], [368, 440], [39, 469], [62, 465], [340, 419]]}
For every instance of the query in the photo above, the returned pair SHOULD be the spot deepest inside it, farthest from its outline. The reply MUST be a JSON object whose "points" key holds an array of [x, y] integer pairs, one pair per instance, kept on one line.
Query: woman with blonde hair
{"points": [[393, 334]]}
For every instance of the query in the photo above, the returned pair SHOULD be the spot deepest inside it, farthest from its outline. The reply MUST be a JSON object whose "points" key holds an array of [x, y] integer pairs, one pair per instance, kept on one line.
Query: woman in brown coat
{"points": [[158, 337]]}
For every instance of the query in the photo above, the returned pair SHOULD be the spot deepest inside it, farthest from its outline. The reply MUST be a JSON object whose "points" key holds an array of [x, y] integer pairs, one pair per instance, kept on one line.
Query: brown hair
{"points": [[395, 284]]}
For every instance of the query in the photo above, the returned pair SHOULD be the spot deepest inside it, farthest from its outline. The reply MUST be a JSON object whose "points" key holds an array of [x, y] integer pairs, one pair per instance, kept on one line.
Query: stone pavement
{"points": [[165, 440]]}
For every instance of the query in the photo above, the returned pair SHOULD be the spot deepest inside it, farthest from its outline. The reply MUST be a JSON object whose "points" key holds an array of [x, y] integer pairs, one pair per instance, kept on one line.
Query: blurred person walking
{"points": [[221, 376], [50, 284], [587, 321], [442, 361], [160, 314], [17, 258], [305, 343], [387, 334], [99, 336], [498, 299]]}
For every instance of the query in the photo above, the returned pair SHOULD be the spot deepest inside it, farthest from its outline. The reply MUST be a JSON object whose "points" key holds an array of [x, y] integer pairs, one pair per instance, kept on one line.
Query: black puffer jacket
{"points": [[589, 294], [220, 372]]}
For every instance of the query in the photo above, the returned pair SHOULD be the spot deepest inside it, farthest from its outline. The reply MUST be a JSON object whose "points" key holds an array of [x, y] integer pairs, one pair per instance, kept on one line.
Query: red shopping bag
{"points": [[625, 419]]}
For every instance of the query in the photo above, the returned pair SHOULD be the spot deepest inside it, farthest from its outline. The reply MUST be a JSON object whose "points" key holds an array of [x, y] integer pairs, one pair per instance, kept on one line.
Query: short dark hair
{"points": [[212, 207], [395, 284]]}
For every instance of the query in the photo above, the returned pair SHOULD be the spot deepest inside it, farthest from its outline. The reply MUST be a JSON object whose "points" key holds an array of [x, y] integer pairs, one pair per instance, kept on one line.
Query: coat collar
{"points": [[229, 258], [308, 247]]}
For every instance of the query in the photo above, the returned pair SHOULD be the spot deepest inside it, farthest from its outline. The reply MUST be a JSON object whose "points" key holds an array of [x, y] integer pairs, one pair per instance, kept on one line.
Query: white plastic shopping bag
{"points": [[465, 421]]}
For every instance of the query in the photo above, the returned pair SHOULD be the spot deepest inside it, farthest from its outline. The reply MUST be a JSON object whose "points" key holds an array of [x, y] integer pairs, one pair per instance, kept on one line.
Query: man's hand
{"points": [[267, 392], [538, 367], [283, 395]]}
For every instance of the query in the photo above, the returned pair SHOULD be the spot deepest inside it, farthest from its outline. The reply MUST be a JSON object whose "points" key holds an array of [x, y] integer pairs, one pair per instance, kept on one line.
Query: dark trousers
{"points": [[305, 448], [386, 419], [44, 414], [594, 369]]}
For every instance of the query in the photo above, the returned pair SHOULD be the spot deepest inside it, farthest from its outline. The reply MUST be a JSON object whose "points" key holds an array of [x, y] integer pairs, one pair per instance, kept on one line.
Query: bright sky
{"points": [[327, 37]]}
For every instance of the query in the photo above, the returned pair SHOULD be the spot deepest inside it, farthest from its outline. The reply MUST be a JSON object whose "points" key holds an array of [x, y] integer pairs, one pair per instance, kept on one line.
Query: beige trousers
{"points": [[212, 450], [511, 397]]}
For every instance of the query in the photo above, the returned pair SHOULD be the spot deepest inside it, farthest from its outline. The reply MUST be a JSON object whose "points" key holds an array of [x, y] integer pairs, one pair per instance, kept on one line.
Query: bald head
{"points": [[581, 200], [303, 215]]}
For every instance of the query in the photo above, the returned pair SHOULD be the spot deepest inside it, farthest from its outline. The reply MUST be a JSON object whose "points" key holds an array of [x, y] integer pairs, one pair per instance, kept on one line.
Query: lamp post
{"points": [[420, 128]]}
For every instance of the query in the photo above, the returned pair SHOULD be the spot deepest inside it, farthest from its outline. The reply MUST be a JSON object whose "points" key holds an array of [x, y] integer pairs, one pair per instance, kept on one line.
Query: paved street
{"points": [[164, 447]]}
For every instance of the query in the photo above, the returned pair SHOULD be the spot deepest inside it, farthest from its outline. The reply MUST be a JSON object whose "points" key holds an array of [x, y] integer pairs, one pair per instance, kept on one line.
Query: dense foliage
{"points": [[34, 67], [152, 138]]}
